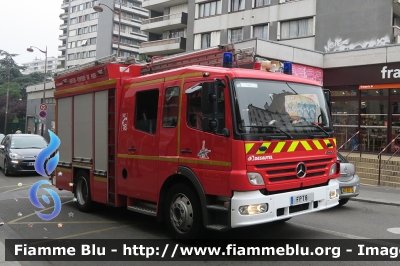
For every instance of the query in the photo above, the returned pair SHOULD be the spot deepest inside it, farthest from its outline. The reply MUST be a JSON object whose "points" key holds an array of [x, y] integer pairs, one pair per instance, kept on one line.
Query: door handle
{"points": [[186, 151], [132, 149]]}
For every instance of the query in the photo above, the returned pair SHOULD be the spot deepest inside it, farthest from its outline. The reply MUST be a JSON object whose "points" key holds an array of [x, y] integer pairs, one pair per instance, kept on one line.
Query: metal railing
{"points": [[355, 147], [160, 42], [162, 18], [380, 157]]}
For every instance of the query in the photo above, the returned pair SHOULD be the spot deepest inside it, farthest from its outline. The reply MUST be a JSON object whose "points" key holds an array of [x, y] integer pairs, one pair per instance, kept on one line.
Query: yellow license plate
{"points": [[348, 190]]}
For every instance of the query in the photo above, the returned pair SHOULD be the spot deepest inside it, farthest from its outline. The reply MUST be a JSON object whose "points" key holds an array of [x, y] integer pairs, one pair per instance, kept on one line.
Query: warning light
{"points": [[227, 59], [257, 65], [287, 68]]}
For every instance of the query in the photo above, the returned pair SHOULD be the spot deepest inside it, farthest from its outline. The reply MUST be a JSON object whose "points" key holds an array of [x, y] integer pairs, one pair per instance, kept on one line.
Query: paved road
{"points": [[356, 220]]}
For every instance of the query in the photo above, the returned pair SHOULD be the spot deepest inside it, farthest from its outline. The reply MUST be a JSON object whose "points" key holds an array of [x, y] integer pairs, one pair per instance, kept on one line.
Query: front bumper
{"points": [[354, 183], [21, 166], [279, 206]]}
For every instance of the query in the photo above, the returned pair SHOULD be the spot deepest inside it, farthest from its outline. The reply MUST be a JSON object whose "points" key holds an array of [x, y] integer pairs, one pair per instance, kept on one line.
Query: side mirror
{"points": [[209, 125], [208, 97], [328, 98], [1, 147]]}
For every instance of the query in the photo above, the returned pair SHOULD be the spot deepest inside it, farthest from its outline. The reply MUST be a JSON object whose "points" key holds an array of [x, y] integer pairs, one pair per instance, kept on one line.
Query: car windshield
{"points": [[31, 142], [341, 158], [265, 106]]}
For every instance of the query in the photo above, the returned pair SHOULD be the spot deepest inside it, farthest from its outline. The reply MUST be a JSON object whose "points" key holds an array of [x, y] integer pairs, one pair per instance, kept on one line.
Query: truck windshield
{"points": [[281, 108]]}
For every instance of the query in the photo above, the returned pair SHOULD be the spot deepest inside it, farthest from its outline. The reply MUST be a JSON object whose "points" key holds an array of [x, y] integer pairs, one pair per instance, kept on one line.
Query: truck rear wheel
{"points": [[82, 192], [183, 213]]}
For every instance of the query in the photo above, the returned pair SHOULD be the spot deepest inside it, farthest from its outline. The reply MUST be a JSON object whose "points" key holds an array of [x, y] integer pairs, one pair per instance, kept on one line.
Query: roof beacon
{"points": [[287, 68], [227, 59]]}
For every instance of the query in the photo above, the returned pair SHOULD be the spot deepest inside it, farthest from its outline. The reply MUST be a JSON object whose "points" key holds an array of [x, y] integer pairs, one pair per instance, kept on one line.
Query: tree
{"points": [[8, 67], [14, 90]]}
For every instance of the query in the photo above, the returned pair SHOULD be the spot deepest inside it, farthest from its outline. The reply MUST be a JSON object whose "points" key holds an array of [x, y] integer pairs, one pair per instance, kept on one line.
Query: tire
{"points": [[6, 171], [183, 213], [343, 201], [82, 192]]}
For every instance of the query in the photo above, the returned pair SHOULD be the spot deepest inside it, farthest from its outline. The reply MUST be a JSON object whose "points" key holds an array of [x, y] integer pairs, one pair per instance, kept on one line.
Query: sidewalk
{"points": [[379, 194]]}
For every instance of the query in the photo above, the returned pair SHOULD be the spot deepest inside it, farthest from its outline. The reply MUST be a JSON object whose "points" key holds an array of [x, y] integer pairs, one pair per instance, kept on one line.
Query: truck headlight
{"points": [[334, 194], [333, 169], [253, 209], [255, 179]]}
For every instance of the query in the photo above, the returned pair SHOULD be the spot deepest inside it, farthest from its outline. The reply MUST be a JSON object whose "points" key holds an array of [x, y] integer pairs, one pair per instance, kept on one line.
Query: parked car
{"points": [[18, 152], [349, 181]]}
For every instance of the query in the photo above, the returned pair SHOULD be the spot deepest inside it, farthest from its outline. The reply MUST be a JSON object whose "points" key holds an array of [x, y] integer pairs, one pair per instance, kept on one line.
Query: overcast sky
{"points": [[25, 23]]}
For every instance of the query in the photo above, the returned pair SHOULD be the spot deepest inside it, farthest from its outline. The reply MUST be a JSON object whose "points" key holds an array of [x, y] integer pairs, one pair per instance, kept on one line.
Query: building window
{"points": [[261, 32], [205, 40], [71, 56], [92, 53], [297, 28], [93, 28], [260, 3], [235, 35], [72, 32], [236, 5], [210, 9], [93, 41]]}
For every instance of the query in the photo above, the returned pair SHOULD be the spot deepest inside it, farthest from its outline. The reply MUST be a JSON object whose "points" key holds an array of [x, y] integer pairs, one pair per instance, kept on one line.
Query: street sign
{"points": [[43, 107], [42, 114]]}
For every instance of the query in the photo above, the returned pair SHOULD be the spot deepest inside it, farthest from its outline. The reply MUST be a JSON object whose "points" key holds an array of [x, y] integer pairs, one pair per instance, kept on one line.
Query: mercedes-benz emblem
{"points": [[301, 170]]}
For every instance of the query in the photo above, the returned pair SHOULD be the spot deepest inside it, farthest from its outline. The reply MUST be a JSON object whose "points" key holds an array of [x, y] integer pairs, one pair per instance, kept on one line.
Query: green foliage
{"points": [[8, 67], [14, 90]]}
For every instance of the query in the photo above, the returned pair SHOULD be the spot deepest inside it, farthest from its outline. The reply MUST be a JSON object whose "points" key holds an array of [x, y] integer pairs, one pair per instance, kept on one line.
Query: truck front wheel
{"points": [[183, 213], [82, 192]]}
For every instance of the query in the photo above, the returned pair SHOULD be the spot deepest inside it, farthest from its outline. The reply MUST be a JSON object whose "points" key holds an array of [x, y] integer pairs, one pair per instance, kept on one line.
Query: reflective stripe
{"points": [[306, 145], [318, 144], [279, 147], [293, 146], [248, 147]]}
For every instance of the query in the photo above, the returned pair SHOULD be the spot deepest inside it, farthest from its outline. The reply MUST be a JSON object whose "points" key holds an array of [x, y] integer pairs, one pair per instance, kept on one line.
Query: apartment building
{"points": [[38, 65], [322, 25], [88, 34]]}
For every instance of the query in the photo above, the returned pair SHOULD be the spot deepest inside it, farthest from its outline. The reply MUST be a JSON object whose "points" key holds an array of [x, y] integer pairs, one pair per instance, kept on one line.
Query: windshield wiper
{"points": [[273, 127], [32, 148], [315, 126]]}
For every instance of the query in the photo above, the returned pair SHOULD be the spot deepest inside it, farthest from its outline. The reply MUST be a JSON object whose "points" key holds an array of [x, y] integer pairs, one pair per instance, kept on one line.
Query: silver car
{"points": [[349, 182]]}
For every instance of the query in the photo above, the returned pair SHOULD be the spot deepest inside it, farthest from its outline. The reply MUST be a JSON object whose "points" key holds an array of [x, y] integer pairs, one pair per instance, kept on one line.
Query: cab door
{"points": [[139, 149], [208, 155]]}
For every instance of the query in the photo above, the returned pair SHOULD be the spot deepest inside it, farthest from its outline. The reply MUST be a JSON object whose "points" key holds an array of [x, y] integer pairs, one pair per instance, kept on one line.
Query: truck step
{"points": [[148, 210], [217, 208], [218, 227]]}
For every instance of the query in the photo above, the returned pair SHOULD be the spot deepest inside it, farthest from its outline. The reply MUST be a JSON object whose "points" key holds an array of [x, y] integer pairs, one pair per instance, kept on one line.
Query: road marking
{"points": [[383, 243], [16, 185], [14, 189], [26, 216], [63, 222], [330, 231], [394, 230], [86, 233]]}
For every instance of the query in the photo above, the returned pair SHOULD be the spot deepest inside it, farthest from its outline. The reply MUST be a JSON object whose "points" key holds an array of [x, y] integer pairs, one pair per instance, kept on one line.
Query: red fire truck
{"points": [[195, 144]]}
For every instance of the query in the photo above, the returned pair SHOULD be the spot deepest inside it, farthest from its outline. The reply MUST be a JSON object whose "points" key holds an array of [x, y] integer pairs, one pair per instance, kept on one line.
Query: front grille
{"points": [[287, 171]]}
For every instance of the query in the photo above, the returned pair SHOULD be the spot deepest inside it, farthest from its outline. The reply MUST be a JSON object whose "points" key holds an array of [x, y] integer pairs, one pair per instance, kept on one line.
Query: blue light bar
{"points": [[287, 68], [227, 59]]}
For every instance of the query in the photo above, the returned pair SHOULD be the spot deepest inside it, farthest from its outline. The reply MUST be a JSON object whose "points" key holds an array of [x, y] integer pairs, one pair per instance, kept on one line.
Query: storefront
{"points": [[366, 99]]}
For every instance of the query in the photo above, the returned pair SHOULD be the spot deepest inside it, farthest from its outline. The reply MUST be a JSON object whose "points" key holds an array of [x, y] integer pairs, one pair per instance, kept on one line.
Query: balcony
{"points": [[62, 37], [164, 47], [64, 15], [128, 21], [61, 57], [62, 47], [65, 4], [126, 47], [164, 23], [63, 26], [132, 9], [159, 5]]}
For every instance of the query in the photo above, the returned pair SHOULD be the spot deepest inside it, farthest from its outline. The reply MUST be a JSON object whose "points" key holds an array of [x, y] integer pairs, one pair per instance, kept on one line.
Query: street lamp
{"points": [[100, 9], [8, 89], [44, 81]]}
